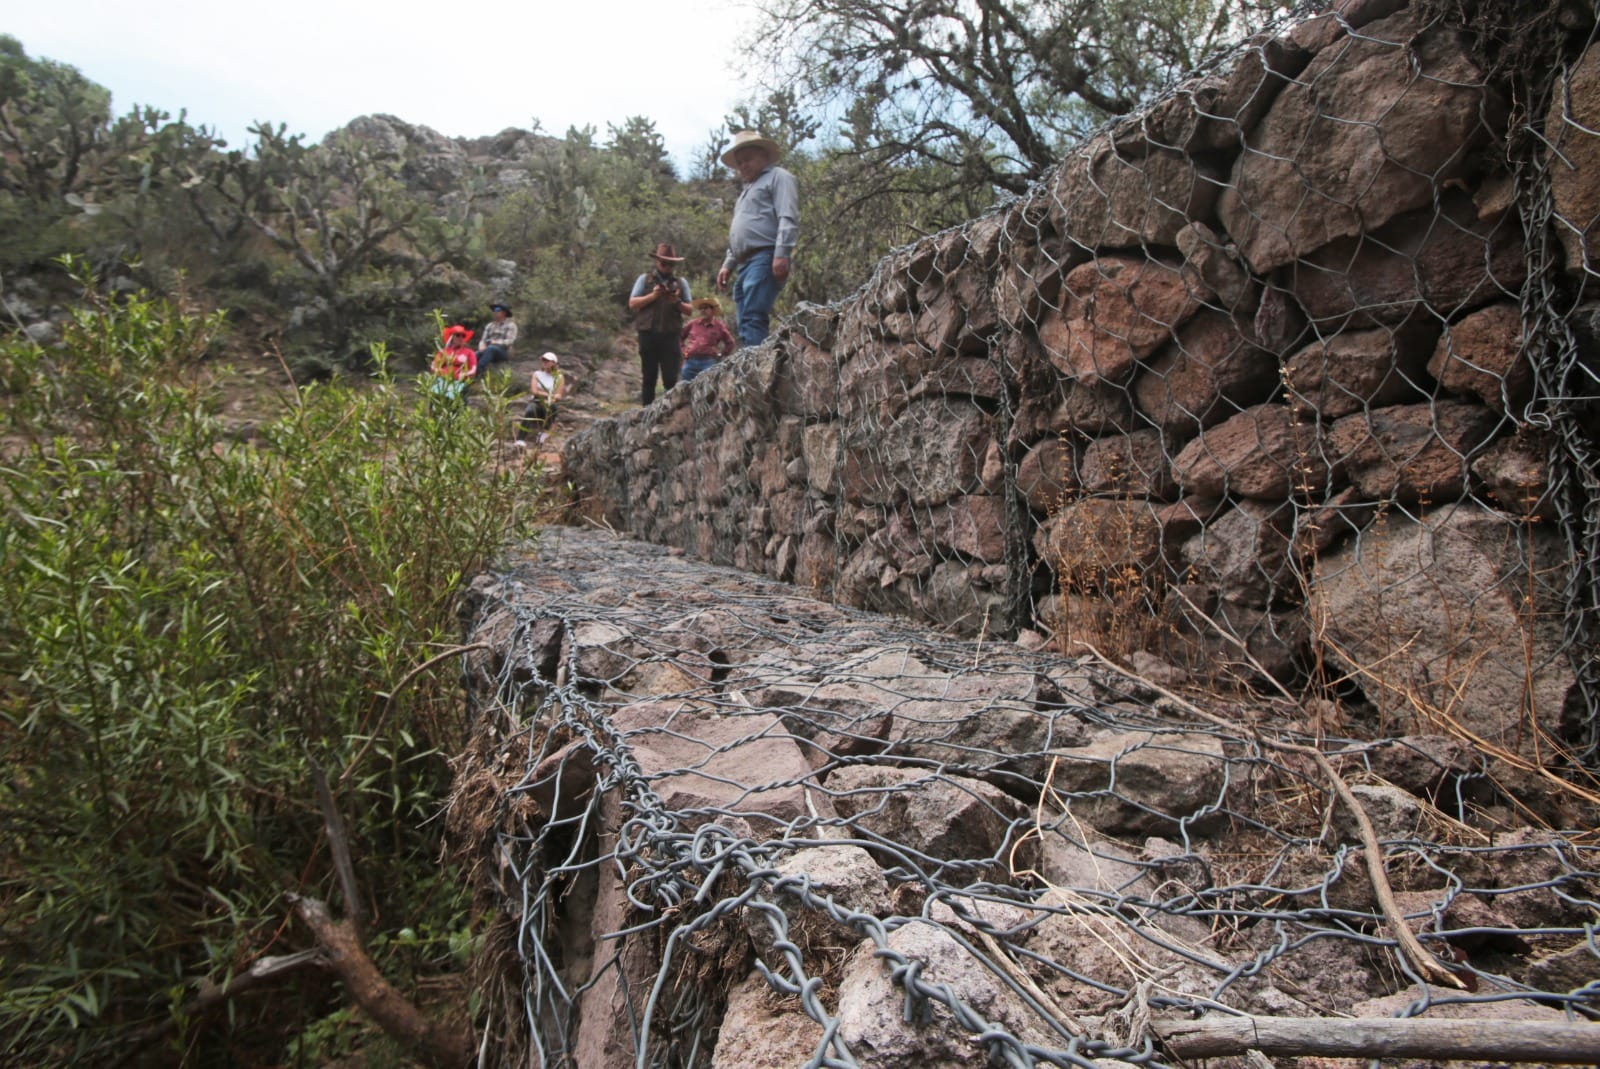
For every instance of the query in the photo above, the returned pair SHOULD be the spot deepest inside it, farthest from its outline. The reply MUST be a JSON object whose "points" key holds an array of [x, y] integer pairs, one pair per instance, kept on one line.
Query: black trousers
{"points": [[658, 353], [536, 417]]}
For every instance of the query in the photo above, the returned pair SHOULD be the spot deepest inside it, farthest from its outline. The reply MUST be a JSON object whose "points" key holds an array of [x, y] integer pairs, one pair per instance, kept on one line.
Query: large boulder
{"points": [[1372, 128], [1116, 311], [1451, 623]]}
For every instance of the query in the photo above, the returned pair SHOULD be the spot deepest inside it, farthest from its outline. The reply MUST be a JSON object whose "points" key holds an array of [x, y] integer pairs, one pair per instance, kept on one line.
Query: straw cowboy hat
{"points": [[702, 303], [751, 137]]}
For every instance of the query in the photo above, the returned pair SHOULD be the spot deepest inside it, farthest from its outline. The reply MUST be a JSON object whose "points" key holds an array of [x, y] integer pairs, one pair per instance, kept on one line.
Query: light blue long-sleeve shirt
{"points": [[767, 214]]}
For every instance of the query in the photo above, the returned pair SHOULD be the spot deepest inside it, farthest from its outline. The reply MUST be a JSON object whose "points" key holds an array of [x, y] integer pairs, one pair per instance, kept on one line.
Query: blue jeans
{"points": [[694, 365], [755, 291], [491, 354]]}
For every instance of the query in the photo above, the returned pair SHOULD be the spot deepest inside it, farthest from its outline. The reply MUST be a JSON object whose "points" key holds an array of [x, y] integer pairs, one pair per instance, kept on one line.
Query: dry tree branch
{"points": [[438, 1043], [1383, 1037]]}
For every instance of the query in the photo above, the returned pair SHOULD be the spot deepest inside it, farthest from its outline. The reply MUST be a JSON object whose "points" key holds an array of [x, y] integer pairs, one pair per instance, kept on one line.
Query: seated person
{"points": [[456, 363], [499, 336], [548, 387], [705, 338]]}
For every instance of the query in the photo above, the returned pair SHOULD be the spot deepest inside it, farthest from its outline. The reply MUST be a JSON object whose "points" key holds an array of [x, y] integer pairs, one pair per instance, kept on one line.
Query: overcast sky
{"points": [[463, 67]]}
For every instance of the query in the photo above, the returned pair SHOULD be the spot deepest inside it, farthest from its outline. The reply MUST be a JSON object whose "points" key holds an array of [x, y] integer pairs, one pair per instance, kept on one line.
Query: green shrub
{"points": [[186, 624]]}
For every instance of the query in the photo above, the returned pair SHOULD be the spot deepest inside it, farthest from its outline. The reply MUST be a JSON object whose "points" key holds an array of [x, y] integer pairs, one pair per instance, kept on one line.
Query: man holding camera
{"points": [[766, 225], [659, 303]]}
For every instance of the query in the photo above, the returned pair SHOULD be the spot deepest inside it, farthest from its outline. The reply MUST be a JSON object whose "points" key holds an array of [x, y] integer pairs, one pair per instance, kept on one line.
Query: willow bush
{"points": [[189, 622]]}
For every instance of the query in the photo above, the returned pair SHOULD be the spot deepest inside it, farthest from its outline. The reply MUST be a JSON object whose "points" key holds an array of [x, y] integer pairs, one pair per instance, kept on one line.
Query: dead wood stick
{"points": [[339, 844], [1424, 962], [437, 1043], [1383, 1037]]}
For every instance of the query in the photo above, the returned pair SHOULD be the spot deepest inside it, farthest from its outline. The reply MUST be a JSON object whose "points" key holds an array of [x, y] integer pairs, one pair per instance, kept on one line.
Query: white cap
{"points": [[552, 357]]}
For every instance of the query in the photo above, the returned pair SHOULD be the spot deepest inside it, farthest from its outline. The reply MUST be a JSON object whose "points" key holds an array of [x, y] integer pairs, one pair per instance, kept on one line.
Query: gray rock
{"points": [[871, 1018], [1126, 782], [1439, 623]]}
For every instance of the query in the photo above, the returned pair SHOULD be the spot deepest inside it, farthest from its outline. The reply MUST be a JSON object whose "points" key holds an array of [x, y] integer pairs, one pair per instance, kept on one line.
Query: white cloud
{"points": [[465, 68]]}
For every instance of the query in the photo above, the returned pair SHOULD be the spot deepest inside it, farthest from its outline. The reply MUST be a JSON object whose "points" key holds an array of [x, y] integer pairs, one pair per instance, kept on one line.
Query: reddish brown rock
{"points": [[1116, 311], [1412, 452], [932, 451], [696, 758], [1207, 258], [1110, 196], [808, 380], [1047, 474], [1140, 782], [1245, 552], [1356, 369], [1371, 129], [1133, 463], [1093, 408], [1094, 541], [1516, 472], [761, 1028], [1204, 375], [948, 818], [1450, 261], [1183, 518], [1218, 111], [1263, 452], [1029, 284], [973, 525], [1570, 128], [1484, 356], [1322, 524]]}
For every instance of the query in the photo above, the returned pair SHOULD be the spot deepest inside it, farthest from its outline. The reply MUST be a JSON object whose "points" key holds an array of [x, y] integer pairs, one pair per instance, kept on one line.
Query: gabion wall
{"points": [[1290, 376]]}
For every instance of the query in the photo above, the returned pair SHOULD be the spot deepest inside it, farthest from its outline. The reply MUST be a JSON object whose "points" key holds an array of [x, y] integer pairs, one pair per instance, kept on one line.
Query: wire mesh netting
{"points": [[1289, 379], [1288, 382], [721, 823]]}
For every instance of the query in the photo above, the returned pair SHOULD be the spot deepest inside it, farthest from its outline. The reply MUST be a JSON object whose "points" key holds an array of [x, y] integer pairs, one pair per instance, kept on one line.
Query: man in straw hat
{"points": [[766, 224], [659, 302]]}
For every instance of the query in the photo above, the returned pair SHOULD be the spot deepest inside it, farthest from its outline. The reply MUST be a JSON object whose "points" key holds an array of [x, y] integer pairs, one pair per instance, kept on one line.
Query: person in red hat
{"points": [[659, 302], [456, 363]]}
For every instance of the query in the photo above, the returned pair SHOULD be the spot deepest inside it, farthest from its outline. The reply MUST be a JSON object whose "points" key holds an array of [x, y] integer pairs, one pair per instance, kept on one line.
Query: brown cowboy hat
{"points": [[665, 251], [751, 137]]}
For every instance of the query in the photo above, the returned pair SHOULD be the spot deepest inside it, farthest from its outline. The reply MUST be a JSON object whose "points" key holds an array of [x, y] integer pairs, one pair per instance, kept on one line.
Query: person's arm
{"points": [[725, 343], [786, 205], [643, 293], [685, 300], [563, 387]]}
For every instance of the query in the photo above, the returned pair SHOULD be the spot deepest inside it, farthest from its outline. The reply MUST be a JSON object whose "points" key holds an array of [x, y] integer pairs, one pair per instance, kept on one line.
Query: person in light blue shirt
{"points": [[762, 236]]}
